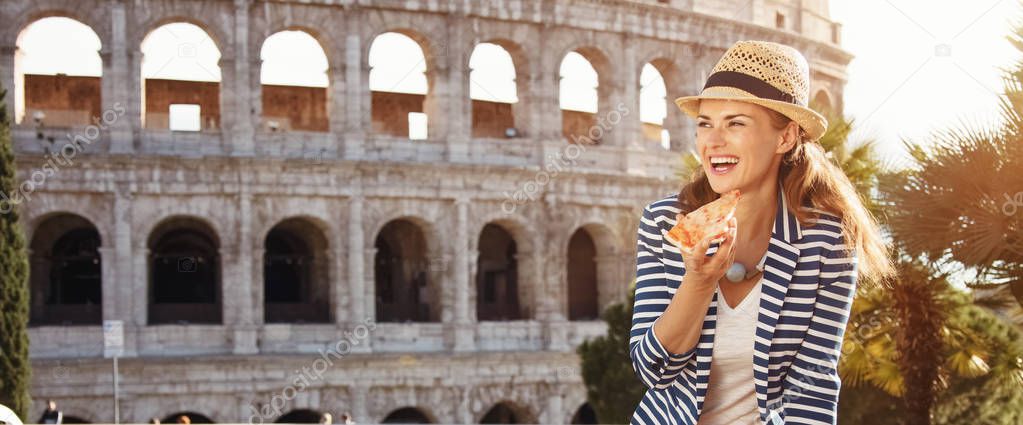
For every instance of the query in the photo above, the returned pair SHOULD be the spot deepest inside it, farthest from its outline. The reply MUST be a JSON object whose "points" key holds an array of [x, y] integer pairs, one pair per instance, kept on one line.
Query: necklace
{"points": [[737, 272]]}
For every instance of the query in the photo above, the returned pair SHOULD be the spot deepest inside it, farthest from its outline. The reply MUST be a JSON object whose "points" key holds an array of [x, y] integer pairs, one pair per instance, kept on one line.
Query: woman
{"points": [[760, 343]]}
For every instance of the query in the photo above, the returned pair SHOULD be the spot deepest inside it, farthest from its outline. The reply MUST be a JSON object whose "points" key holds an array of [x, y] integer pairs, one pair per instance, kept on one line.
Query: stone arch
{"points": [[576, 125], [824, 101], [491, 118], [301, 416], [413, 414], [159, 14], [202, 92], [184, 271], [66, 279], [527, 273], [508, 412], [407, 266], [69, 98], [48, 206], [195, 418], [591, 264], [90, 13], [296, 272], [277, 108]]}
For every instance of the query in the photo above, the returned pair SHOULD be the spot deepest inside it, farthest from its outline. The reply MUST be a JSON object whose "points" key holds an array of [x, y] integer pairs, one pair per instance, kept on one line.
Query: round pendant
{"points": [[736, 272]]}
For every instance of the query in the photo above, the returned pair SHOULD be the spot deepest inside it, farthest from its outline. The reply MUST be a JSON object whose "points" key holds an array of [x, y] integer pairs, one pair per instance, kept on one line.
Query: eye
{"points": [[736, 123], [704, 124]]}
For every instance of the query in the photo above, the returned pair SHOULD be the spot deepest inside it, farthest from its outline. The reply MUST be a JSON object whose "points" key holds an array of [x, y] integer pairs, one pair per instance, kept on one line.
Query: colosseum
{"points": [[430, 256]]}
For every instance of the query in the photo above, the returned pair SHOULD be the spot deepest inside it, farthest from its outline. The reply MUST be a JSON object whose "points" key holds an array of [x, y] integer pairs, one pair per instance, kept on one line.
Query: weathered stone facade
{"points": [[239, 180]]}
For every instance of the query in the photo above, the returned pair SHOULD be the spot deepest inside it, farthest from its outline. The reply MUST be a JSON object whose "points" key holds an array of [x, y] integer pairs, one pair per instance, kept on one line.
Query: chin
{"points": [[721, 184]]}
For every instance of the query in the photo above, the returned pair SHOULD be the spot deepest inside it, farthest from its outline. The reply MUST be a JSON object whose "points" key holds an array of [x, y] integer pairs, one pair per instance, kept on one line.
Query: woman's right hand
{"points": [[704, 271]]}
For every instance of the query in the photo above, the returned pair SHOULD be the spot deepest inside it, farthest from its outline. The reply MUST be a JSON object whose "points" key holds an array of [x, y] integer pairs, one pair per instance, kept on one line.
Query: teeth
{"points": [[723, 160]]}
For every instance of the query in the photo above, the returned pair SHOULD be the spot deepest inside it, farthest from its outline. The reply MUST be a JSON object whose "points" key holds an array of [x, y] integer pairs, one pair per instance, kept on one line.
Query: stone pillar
{"points": [[462, 330], [140, 283], [236, 87], [458, 105], [357, 96], [359, 404], [356, 261], [340, 294], [546, 110], [618, 103], [117, 85], [135, 107], [337, 95], [108, 278], [554, 410], [244, 290], [8, 80]]}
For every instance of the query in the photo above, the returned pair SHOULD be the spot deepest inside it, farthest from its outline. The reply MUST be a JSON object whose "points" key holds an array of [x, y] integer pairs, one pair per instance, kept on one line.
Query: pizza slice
{"points": [[709, 219]]}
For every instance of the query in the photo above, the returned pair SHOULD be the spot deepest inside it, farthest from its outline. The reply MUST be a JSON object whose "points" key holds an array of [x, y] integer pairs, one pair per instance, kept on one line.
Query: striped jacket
{"points": [[807, 289]]}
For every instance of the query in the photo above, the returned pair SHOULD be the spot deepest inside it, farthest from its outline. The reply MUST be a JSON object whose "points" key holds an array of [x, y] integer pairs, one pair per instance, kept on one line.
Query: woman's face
{"points": [[738, 146]]}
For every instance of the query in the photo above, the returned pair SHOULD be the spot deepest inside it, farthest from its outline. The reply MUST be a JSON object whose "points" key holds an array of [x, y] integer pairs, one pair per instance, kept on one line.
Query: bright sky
{"points": [[919, 66], [902, 85]]}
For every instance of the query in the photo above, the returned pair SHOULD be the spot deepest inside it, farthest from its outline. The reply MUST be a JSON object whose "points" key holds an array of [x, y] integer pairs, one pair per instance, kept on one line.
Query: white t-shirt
{"points": [[731, 394]]}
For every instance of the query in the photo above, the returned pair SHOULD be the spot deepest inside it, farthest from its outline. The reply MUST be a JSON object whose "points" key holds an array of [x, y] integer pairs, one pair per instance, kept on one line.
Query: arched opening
{"points": [[579, 99], [57, 79], [186, 418], [582, 277], [398, 85], [184, 273], [66, 272], [497, 289], [493, 91], [294, 82], [653, 106], [507, 412], [822, 102], [180, 79], [295, 279], [300, 416], [407, 415], [585, 415], [404, 292]]}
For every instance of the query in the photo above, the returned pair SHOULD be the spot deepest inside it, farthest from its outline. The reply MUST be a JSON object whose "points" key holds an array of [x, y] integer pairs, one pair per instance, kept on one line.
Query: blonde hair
{"points": [[809, 178]]}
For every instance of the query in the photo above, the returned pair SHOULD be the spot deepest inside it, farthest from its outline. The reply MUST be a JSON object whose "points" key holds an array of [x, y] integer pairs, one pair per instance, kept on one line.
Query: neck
{"points": [[755, 213]]}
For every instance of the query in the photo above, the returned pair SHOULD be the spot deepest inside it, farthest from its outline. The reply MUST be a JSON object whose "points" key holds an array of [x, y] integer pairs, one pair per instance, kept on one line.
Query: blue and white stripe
{"points": [[808, 285]]}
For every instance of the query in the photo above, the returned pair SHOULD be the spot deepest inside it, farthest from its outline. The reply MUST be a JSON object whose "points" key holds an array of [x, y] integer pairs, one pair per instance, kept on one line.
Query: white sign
{"points": [[113, 338]]}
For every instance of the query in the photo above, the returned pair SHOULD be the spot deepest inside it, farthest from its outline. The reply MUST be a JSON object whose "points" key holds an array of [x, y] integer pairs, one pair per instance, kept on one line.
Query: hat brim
{"points": [[813, 123]]}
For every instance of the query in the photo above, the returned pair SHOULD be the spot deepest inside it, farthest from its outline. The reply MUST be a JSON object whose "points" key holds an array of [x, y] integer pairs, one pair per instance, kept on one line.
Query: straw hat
{"points": [[768, 74]]}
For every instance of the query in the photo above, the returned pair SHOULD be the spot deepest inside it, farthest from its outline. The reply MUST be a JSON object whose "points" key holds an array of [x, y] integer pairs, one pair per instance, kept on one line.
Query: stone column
{"points": [[458, 105], [463, 332], [236, 93], [140, 283], [546, 110], [555, 415], [356, 261], [108, 277], [246, 290], [357, 96], [618, 103], [359, 403], [340, 293], [117, 85]]}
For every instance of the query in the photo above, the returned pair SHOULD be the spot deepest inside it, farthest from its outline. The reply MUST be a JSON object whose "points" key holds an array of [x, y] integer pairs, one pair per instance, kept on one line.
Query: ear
{"points": [[788, 138]]}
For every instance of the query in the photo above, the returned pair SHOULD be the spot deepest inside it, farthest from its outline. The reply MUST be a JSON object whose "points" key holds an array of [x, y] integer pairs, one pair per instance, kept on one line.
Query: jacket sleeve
{"points": [[653, 364], [811, 387]]}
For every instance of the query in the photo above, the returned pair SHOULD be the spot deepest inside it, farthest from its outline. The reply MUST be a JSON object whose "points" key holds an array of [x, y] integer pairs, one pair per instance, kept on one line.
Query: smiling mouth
{"points": [[723, 164]]}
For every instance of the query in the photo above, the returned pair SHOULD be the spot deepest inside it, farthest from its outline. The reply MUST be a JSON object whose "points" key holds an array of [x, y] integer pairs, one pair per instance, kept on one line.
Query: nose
{"points": [[710, 137]]}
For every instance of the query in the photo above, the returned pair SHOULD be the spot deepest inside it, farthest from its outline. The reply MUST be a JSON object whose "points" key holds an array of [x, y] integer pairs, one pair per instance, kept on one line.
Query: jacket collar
{"points": [[786, 226]]}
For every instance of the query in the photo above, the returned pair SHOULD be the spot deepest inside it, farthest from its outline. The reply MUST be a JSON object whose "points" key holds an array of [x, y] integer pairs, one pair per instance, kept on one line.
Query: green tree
{"points": [[612, 388], [14, 365]]}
